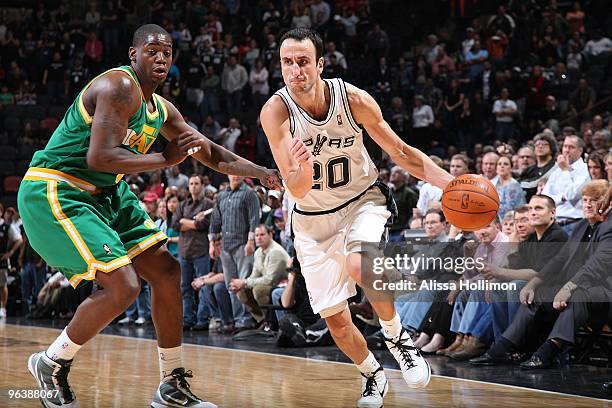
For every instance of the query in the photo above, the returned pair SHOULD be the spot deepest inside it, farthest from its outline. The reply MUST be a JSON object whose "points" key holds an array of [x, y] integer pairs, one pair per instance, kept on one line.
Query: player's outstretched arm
{"points": [[116, 98], [211, 154], [367, 113], [291, 156]]}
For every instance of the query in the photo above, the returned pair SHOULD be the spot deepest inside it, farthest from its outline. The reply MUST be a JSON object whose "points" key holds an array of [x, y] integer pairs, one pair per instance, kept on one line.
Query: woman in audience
{"points": [[597, 167], [510, 192]]}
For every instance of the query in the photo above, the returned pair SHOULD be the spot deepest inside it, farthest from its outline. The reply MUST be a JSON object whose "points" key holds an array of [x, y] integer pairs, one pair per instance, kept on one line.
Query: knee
{"points": [[219, 289], [339, 325], [123, 286], [261, 293]]}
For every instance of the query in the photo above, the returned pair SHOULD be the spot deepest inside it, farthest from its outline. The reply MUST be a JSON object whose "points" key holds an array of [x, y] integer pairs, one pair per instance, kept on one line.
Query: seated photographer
{"points": [[269, 268], [298, 326], [216, 295], [566, 293], [543, 237], [56, 298]]}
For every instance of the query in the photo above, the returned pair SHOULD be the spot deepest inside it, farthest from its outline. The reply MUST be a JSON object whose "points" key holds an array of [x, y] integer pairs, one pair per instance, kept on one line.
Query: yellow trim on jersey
{"points": [[163, 106], [142, 246], [39, 173], [93, 264], [84, 114]]}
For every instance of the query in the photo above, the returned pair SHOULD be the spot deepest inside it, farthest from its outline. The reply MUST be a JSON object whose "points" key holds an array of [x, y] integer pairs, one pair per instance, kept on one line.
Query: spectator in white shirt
{"points": [[504, 110], [319, 13], [331, 50], [258, 79], [598, 45], [428, 193], [566, 181], [229, 135]]}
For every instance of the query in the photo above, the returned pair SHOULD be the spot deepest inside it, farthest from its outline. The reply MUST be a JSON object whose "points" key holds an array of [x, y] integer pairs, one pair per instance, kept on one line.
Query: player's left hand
{"points": [[271, 179]]}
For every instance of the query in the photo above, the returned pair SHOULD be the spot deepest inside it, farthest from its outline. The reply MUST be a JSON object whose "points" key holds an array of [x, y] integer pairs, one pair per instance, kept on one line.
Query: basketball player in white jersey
{"points": [[314, 127]]}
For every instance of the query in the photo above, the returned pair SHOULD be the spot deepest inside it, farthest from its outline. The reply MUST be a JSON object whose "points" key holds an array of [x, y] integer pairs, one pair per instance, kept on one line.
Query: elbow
{"points": [[94, 161]]}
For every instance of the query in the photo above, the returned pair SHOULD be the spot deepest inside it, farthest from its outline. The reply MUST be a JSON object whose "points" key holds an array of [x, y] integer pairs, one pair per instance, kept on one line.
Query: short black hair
{"points": [[436, 211], [301, 34], [551, 203], [141, 33]]}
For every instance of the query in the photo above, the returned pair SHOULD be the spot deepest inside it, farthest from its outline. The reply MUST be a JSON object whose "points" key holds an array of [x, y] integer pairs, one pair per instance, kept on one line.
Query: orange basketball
{"points": [[470, 202]]}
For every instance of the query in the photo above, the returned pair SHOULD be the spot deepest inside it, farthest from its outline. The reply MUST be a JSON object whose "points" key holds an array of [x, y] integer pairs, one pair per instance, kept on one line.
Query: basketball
{"points": [[470, 202]]}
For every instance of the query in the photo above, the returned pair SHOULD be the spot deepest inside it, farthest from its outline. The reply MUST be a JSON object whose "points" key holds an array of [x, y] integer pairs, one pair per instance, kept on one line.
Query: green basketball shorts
{"points": [[80, 230]]}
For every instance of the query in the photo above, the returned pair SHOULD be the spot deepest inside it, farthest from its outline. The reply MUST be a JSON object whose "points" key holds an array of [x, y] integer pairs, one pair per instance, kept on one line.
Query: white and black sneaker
{"points": [[415, 368], [374, 387], [52, 379], [174, 391]]}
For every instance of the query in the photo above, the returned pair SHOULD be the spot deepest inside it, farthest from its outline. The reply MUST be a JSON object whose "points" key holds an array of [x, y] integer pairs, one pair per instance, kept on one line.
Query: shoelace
{"points": [[180, 376], [370, 387], [61, 376], [405, 352]]}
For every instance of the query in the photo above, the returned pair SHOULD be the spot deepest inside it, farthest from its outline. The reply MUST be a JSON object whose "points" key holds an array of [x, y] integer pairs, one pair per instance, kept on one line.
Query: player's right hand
{"points": [[300, 153]]}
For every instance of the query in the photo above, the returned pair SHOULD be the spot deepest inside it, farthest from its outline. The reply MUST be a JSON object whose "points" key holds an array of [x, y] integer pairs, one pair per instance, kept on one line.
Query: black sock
{"points": [[547, 351], [502, 346]]}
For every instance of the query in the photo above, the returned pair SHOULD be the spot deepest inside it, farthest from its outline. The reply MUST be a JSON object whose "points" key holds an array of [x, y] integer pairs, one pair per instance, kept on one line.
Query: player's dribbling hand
{"points": [[300, 153]]}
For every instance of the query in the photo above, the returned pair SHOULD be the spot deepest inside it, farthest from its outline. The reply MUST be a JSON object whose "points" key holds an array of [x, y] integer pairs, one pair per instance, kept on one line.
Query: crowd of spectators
{"points": [[519, 93]]}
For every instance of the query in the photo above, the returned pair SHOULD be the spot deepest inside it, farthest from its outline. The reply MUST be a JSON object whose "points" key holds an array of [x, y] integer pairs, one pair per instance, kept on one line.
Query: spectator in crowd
{"points": [[33, 274], [526, 158], [235, 216], [192, 219], [297, 324], [511, 194], [575, 272], [269, 268], [545, 152], [565, 182], [233, 81], [596, 167], [405, 199], [258, 80], [608, 167], [475, 59], [229, 135], [429, 194], [422, 119], [504, 110], [10, 242], [176, 178], [216, 294], [489, 165]]}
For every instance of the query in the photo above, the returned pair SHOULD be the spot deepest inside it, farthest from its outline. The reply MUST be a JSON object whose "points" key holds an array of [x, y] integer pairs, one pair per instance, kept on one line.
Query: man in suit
{"points": [[571, 290]]}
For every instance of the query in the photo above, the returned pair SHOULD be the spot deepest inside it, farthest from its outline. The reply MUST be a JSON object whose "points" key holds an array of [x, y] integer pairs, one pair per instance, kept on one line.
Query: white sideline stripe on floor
{"points": [[341, 362]]}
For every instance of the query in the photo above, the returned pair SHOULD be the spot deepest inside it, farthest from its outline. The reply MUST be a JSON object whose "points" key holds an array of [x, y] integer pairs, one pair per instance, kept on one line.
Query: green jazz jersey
{"points": [[67, 148]]}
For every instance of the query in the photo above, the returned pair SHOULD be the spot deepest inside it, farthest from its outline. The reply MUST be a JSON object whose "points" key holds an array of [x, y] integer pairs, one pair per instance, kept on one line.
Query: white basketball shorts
{"points": [[323, 242]]}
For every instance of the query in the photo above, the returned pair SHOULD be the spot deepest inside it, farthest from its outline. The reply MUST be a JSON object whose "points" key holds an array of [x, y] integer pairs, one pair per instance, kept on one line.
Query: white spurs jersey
{"points": [[343, 168]]}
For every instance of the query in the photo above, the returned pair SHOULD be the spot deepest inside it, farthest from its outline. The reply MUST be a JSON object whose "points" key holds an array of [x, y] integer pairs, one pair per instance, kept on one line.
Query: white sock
{"points": [[169, 359], [391, 328], [63, 348], [369, 365]]}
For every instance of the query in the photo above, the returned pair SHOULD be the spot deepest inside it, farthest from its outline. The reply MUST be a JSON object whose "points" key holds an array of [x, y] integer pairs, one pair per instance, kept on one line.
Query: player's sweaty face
{"points": [[155, 56], [299, 65]]}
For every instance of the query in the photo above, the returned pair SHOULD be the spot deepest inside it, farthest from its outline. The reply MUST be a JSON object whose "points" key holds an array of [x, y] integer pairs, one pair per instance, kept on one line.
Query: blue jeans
{"points": [[218, 301], [472, 315], [32, 281], [504, 130], [276, 300], [191, 269], [503, 308], [142, 306], [413, 308], [396, 236], [237, 266]]}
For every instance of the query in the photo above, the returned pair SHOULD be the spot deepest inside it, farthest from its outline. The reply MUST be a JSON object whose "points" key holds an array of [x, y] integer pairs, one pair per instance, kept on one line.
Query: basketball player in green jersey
{"points": [[83, 220]]}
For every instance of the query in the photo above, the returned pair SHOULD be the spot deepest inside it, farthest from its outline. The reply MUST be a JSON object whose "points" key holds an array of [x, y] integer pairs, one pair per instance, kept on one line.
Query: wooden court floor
{"points": [[114, 371]]}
